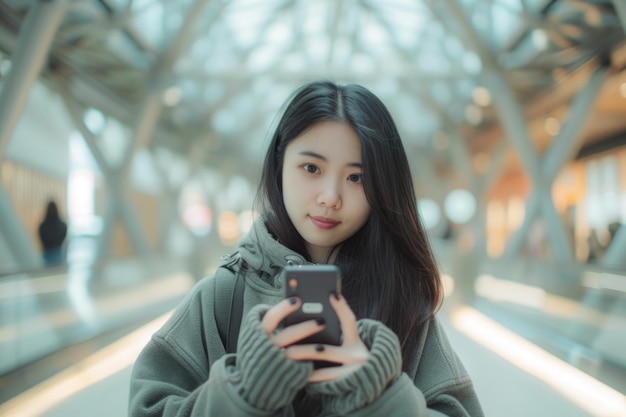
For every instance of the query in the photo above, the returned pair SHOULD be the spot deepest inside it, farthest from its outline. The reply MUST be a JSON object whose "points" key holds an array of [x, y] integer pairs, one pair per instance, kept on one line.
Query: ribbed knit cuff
{"points": [[366, 384], [269, 380]]}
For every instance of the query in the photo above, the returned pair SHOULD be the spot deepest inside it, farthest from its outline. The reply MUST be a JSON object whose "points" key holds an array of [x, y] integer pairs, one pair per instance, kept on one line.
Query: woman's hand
{"points": [[291, 334], [349, 356]]}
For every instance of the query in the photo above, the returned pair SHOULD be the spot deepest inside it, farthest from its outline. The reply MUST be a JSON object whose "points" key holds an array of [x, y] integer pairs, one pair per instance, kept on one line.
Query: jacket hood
{"points": [[265, 255]]}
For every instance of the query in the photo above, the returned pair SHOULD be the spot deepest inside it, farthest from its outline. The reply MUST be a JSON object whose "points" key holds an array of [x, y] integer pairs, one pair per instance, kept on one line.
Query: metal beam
{"points": [[333, 30], [563, 148], [620, 8], [614, 256], [36, 35], [118, 202], [147, 119], [142, 133], [569, 141], [151, 105], [511, 114], [457, 145]]}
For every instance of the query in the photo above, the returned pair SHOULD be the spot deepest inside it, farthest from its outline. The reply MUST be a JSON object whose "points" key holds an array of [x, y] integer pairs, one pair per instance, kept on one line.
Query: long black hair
{"points": [[389, 272]]}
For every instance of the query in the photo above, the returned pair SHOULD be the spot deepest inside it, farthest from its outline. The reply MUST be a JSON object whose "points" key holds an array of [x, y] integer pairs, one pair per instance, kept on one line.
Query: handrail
{"points": [[34, 271], [53, 269]]}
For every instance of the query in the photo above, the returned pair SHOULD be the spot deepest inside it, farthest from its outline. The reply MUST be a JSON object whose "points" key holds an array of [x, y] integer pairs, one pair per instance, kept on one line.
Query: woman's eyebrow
{"points": [[313, 154], [323, 158]]}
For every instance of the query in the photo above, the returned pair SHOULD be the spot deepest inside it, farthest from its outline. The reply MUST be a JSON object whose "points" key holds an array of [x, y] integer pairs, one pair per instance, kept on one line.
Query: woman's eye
{"points": [[310, 168], [355, 178]]}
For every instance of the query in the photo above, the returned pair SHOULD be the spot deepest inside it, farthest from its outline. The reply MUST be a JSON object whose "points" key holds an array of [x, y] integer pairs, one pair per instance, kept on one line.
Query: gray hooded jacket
{"points": [[184, 370]]}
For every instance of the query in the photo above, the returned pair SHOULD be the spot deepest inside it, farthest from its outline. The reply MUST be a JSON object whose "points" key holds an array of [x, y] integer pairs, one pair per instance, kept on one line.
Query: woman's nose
{"points": [[330, 195]]}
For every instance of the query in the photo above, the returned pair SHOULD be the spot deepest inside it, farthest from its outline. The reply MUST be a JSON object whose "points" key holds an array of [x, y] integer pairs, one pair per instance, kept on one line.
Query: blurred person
{"points": [[594, 247], [336, 188], [52, 232]]}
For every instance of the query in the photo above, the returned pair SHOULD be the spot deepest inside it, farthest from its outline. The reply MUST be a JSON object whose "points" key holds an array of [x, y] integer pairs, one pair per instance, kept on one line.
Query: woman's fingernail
{"points": [[319, 348], [320, 321], [293, 300], [334, 294]]}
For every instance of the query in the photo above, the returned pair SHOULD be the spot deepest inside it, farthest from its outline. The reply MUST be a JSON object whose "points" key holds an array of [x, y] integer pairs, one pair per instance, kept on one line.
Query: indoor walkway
{"points": [[504, 389], [512, 376]]}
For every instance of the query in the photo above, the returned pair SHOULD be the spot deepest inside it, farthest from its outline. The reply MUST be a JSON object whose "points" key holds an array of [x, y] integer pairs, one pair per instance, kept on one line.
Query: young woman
{"points": [[335, 188]]}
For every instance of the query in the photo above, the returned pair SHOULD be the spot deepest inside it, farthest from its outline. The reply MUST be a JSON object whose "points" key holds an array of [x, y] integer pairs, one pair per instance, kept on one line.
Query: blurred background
{"points": [[145, 122]]}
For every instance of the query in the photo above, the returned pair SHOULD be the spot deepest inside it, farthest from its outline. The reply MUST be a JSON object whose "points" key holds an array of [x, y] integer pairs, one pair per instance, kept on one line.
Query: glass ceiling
{"points": [[222, 68]]}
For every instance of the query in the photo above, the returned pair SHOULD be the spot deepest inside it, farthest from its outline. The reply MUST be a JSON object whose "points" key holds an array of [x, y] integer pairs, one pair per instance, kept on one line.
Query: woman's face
{"points": [[322, 188]]}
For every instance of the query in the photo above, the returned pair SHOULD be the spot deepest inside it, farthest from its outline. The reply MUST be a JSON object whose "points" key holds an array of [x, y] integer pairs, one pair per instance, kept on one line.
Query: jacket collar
{"points": [[265, 255]]}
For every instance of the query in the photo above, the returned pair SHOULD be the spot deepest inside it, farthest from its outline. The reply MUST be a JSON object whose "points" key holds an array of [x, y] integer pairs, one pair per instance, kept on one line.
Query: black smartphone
{"points": [[314, 284]]}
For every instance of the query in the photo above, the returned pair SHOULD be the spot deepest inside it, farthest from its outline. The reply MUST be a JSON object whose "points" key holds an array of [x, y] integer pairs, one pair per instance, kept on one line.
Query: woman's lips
{"points": [[324, 222]]}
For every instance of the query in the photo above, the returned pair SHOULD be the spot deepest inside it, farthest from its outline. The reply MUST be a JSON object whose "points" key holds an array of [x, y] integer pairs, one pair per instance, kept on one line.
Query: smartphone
{"points": [[314, 284]]}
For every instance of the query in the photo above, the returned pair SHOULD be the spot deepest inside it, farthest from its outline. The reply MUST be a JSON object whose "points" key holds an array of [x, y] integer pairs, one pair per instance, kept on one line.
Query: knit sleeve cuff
{"points": [[366, 384], [268, 379]]}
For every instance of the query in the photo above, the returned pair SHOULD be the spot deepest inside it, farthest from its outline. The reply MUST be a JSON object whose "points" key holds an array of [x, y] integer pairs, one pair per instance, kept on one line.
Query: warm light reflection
{"points": [[552, 126], [581, 389], [448, 285], [97, 367], [480, 162], [228, 228], [516, 211], [502, 290], [481, 96]]}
